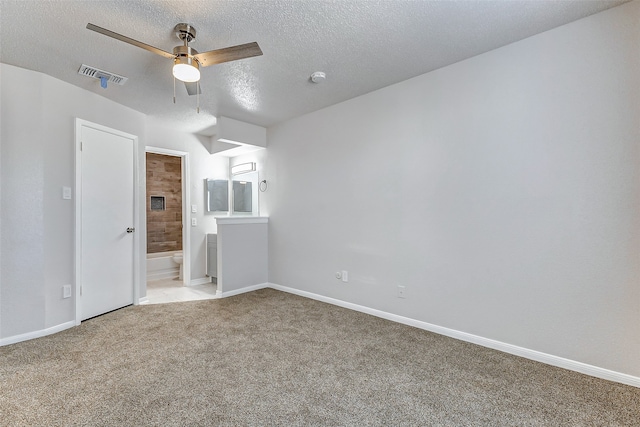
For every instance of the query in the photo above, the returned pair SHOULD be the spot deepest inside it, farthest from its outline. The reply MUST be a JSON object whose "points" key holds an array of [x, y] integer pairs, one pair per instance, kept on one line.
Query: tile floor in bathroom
{"points": [[172, 290]]}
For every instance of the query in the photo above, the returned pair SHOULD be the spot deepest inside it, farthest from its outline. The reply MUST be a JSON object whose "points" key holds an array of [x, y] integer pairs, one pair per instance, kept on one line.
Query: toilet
{"points": [[177, 258]]}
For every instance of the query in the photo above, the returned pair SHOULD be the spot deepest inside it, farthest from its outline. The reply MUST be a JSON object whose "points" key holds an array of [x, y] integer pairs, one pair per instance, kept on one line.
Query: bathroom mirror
{"points": [[217, 195], [242, 196], [245, 194]]}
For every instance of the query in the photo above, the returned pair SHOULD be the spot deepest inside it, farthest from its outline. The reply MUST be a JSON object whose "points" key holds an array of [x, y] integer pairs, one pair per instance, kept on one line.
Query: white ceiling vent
{"points": [[97, 73]]}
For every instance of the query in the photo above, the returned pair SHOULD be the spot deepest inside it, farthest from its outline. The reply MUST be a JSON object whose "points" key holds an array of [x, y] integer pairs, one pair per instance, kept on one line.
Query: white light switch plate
{"points": [[66, 193], [194, 208]]}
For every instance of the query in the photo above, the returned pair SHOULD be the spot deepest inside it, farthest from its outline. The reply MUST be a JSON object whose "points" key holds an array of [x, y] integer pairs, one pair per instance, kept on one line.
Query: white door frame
{"points": [[78, 212], [186, 212]]}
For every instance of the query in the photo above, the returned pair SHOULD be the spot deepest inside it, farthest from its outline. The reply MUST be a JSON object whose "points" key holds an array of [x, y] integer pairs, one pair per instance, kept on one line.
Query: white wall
{"points": [[22, 300], [1, 199], [37, 234], [503, 191], [202, 165]]}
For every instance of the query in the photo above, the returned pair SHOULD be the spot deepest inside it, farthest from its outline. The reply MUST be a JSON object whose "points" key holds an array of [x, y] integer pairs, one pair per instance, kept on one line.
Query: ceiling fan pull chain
{"points": [[198, 95], [174, 90]]}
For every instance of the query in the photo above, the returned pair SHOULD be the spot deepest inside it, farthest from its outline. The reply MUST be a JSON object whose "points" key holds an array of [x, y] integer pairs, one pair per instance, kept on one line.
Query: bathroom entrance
{"points": [[166, 201]]}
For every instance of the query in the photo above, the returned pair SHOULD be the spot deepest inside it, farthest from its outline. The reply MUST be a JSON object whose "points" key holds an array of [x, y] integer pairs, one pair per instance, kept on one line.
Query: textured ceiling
{"points": [[362, 45]]}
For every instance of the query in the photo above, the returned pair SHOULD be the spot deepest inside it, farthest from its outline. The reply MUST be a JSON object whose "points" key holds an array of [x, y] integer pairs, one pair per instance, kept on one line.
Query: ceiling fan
{"points": [[186, 60]]}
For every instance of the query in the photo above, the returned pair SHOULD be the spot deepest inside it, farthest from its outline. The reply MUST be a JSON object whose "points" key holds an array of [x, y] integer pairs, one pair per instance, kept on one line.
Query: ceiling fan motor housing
{"points": [[184, 51], [184, 55]]}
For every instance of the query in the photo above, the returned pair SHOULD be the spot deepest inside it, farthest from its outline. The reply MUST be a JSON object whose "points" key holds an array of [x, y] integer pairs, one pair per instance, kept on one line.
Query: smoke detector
{"points": [[318, 77]]}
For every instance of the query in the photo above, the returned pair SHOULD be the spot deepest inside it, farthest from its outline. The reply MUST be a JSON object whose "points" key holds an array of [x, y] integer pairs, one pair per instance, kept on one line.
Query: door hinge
{"points": [[80, 290], [80, 145]]}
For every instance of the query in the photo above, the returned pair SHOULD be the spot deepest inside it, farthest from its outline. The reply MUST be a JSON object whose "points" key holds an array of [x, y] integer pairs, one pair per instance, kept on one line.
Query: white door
{"points": [[107, 221]]}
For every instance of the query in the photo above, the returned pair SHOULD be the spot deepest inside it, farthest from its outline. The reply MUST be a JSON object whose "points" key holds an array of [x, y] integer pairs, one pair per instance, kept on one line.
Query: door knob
{"points": [[130, 230]]}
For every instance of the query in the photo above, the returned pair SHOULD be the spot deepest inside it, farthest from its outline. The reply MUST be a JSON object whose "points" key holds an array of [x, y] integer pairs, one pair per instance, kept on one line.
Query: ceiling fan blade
{"points": [[192, 87], [130, 41], [227, 54]]}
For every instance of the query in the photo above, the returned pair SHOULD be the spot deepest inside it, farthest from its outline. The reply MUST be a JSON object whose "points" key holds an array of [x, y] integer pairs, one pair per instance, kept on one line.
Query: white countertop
{"points": [[225, 220]]}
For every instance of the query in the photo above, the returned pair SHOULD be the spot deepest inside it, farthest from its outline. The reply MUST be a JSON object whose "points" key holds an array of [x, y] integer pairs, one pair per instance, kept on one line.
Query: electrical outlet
{"points": [[345, 276], [401, 292], [66, 291], [194, 222]]}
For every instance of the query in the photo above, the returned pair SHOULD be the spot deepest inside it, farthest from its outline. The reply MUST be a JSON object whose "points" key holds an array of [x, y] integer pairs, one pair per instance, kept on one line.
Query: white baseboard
{"points": [[143, 300], [200, 281], [37, 334], [244, 290], [538, 356]]}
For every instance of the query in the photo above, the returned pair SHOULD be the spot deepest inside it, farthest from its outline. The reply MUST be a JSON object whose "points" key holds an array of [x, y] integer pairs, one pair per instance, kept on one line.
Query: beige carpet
{"points": [[270, 358]]}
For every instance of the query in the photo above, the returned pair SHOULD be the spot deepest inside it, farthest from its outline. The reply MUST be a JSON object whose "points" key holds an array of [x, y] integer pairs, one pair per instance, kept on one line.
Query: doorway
{"points": [[106, 220], [167, 215]]}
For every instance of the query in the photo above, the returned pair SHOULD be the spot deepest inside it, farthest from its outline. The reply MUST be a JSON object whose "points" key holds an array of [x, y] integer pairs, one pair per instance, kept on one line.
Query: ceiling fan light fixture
{"points": [[186, 60], [186, 69]]}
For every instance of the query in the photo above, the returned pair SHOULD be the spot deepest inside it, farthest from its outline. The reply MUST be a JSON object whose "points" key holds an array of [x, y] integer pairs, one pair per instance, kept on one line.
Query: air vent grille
{"points": [[96, 73]]}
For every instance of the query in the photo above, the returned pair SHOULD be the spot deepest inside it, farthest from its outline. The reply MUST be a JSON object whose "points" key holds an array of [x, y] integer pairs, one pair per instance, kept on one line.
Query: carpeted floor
{"points": [[271, 358]]}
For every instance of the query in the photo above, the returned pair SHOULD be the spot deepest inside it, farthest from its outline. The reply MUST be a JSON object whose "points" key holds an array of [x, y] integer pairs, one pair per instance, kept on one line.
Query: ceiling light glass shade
{"points": [[186, 69]]}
